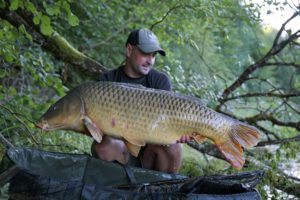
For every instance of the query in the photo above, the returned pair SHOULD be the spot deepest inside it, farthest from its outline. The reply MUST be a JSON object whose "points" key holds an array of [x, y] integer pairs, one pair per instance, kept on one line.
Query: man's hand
{"points": [[185, 139]]}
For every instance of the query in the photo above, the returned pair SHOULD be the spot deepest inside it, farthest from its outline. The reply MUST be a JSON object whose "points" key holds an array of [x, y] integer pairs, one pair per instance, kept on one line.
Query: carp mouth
{"points": [[46, 127]]}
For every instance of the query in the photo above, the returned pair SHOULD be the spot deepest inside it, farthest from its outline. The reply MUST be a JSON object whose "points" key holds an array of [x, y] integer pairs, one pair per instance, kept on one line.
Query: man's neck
{"points": [[130, 73]]}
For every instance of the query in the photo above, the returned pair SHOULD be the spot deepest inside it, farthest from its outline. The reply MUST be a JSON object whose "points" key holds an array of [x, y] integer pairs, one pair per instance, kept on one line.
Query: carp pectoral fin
{"points": [[93, 129], [199, 138], [133, 149]]}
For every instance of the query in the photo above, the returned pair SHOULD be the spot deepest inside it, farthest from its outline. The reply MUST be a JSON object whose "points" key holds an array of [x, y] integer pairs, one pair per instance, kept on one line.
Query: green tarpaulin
{"points": [[36, 174]]}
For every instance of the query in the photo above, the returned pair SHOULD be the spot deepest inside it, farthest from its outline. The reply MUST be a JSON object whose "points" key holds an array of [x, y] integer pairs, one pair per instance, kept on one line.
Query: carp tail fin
{"points": [[245, 135], [240, 135]]}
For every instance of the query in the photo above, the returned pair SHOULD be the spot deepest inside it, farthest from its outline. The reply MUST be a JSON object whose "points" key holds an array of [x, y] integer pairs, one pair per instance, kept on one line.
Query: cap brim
{"points": [[151, 49]]}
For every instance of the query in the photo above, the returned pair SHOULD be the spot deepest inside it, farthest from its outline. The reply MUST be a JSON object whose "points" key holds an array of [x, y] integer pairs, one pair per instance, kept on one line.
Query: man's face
{"points": [[140, 63]]}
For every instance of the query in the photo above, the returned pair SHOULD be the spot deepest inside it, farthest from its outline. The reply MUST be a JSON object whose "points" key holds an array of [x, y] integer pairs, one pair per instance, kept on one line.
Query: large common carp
{"points": [[142, 115]]}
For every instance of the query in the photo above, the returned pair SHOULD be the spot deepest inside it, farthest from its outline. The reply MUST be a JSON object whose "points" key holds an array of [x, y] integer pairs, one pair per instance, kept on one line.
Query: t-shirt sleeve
{"points": [[163, 82], [108, 76]]}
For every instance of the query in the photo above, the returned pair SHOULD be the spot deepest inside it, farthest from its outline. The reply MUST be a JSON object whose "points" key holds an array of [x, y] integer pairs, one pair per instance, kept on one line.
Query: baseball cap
{"points": [[145, 40]]}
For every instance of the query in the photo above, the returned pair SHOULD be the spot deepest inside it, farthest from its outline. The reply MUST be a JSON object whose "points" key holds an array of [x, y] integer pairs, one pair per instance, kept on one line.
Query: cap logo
{"points": [[152, 37]]}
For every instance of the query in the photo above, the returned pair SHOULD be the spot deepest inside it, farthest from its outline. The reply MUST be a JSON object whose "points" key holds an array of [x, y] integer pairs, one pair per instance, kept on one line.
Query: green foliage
{"points": [[43, 12], [25, 73]]}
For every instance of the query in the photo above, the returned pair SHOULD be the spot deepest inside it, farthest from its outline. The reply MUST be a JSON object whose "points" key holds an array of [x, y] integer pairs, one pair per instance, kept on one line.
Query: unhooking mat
{"points": [[36, 174]]}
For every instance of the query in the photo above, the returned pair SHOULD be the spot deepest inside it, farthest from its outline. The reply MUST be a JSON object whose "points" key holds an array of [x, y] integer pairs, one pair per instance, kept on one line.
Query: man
{"points": [[141, 49]]}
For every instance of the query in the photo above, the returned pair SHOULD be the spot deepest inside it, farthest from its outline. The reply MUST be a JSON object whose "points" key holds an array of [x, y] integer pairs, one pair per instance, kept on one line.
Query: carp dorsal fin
{"points": [[132, 85], [93, 129], [133, 149]]}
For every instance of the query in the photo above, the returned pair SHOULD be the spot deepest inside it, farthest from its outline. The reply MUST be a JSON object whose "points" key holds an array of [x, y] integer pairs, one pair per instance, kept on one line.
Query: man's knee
{"points": [[174, 156], [110, 149], [163, 158], [174, 151]]}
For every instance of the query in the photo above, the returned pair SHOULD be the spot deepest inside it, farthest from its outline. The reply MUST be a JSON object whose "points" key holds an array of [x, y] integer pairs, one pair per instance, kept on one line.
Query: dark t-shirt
{"points": [[154, 79]]}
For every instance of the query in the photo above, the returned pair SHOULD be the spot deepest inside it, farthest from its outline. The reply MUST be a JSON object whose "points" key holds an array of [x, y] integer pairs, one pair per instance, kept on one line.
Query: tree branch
{"points": [[279, 141], [208, 149], [55, 44], [132, 19], [263, 94], [271, 118], [283, 64], [166, 15], [268, 132], [276, 48]]}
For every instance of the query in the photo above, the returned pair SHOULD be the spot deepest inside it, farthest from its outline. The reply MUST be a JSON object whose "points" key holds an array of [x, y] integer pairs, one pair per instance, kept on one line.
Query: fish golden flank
{"points": [[142, 115]]}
